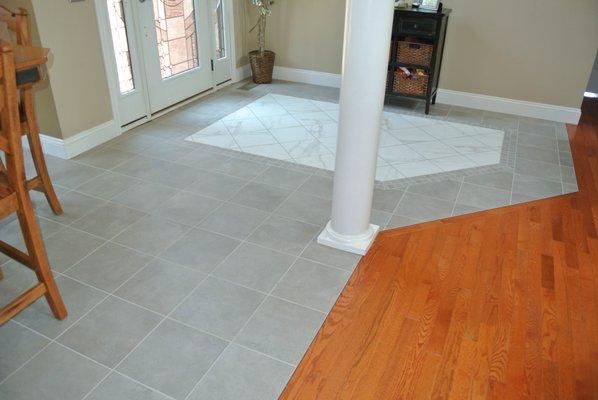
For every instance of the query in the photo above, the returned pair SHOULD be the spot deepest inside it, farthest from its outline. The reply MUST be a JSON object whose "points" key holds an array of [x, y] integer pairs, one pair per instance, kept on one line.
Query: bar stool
{"points": [[14, 198], [17, 22]]}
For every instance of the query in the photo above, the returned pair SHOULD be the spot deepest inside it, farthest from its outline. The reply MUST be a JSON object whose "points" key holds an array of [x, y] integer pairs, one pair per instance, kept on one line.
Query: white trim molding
{"points": [[241, 73], [79, 143], [522, 108]]}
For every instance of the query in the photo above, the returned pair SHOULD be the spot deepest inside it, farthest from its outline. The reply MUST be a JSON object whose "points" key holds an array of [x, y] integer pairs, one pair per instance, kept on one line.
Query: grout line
{"points": [[457, 198]]}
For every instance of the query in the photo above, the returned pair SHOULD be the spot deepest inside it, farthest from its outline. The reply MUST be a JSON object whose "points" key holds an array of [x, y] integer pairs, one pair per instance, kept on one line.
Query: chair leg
{"points": [[39, 259], [37, 152]]}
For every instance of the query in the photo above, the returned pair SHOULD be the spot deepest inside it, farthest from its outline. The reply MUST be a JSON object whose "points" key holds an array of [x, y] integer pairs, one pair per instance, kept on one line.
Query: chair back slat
{"points": [[10, 141], [17, 22]]}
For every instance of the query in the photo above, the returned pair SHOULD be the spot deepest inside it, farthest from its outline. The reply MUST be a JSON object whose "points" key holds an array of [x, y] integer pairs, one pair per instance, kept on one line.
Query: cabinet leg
{"points": [[434, 98], [427, 107]]}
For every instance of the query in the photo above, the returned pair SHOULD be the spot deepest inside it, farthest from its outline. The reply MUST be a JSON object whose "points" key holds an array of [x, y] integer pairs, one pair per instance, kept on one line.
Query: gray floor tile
{"points": [[306, 208], [166, 150], [568, 174], [173, 359], [10, 232], [282, 177], [260, 196], [386, 199], [108, 185], [240, 168], [160, 286], [254, 267], [67, 247], [538, 168], [284, 235], [536, 187], [537, 126], [461, 209], [540, 141], [482, 197], [202, 159], [176, 175], [78, 299], [218, 307], [566, 159], [499, 121], [133, 142], [110, 331], [399, 221], [570, 187], [317, 186], [216, 185], [108, 267], [380, 218], [329, 256], [498, 180], [151, 235], [18, 345], [234, 220], [187, 208], [141, 167], [145, 196], [108, 220], [312, 285], [423, 208], [281, 329], [443, 190], [54, 374], [519, 198], [119, 387], [104, 157], [74, 174], [536, 154], [74, 206], [201, 250], [230, 379]]}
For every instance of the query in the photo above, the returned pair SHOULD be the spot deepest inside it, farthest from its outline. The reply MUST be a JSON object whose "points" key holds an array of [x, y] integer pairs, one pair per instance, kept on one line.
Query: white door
{"points": [[167, 51]]}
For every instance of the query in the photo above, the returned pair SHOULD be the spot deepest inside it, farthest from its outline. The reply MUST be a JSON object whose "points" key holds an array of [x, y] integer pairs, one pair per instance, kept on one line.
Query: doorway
{"points": [[164, 52]]}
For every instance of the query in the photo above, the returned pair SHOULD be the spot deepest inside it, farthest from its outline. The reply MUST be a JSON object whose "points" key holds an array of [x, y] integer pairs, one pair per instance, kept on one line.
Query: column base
{"points": [[352, 244]]}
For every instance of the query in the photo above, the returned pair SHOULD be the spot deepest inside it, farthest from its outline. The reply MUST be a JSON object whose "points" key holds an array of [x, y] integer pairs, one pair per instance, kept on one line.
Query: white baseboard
{"points": [[241, 73], [523, 108], [451, 97], [307, 76], [81, 142]]}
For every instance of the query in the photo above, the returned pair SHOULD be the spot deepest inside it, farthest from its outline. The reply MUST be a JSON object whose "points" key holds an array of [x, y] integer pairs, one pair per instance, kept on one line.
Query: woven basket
{"points": [[415, 53], [262, 65], [412, 84]]}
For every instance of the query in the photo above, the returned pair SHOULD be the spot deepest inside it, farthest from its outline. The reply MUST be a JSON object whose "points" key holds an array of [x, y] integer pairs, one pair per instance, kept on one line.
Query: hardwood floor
{"points": [[500, 304]]}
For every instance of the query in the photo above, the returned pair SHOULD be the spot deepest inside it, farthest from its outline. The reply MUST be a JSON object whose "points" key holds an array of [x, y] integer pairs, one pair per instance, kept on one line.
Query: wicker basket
{"points": [[415, 53], [413, 84], [262, 65]]}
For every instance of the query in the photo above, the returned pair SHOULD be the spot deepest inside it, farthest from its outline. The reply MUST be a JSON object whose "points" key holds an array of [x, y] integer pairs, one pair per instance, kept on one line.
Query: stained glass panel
{"points": [[177, 36]]}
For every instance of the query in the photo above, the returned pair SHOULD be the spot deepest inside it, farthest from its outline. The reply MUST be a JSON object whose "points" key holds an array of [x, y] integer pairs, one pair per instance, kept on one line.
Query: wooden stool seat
{"points": [[14, 198]]}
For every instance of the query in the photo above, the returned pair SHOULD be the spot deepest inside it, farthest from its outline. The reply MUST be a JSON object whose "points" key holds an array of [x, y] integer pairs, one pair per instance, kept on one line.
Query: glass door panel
{"points": [[220, 39], [120, 42]]}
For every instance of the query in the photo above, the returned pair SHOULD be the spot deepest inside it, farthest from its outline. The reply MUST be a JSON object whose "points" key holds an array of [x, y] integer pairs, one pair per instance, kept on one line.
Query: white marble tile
{"points": [[454, 163], [275, 151], [292, 134], [432, 150], [411, 135], [399, 154], [305, 131], [485, 158], [217, 128], [242, 113], [417, 168], [249, 139], [309, 118], [387, 173], [279, 121], [324, 161], [321, 129], [245, 125], [306, 148]]}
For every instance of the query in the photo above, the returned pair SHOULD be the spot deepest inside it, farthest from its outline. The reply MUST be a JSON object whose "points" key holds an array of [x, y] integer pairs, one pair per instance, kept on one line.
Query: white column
{"points": [[368, 28]]}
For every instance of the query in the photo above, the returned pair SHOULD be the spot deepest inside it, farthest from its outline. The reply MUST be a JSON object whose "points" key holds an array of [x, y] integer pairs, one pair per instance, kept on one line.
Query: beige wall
{"points": [[75, 97], [534, 50]]}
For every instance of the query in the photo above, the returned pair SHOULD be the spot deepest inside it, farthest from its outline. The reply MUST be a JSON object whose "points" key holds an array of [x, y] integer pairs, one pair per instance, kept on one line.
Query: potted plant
{"points": [[262, 60]]}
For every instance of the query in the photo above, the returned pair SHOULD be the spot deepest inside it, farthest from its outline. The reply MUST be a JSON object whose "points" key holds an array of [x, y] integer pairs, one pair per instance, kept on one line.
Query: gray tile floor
{"points": [[191, 272]]}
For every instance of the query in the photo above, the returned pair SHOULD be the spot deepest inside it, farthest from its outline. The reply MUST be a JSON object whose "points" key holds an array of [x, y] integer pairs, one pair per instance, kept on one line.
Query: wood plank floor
{"points": [[501, 304]]}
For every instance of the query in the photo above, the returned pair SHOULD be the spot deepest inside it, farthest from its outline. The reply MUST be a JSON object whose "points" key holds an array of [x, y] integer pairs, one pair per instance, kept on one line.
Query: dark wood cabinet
{"points": [[417, 45]]}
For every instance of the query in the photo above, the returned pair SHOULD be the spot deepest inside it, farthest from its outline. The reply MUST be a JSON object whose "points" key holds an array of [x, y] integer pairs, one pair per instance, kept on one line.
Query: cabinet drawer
{"points": [[417, 26]]}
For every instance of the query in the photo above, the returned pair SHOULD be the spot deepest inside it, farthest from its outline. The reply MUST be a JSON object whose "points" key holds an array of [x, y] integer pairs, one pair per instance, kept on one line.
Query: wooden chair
{"points": [[14, 198], [17, 22]]}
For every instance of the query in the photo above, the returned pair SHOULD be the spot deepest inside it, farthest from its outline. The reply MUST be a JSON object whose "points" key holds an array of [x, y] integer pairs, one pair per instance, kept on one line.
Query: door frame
{"points": [[112, 74]]}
